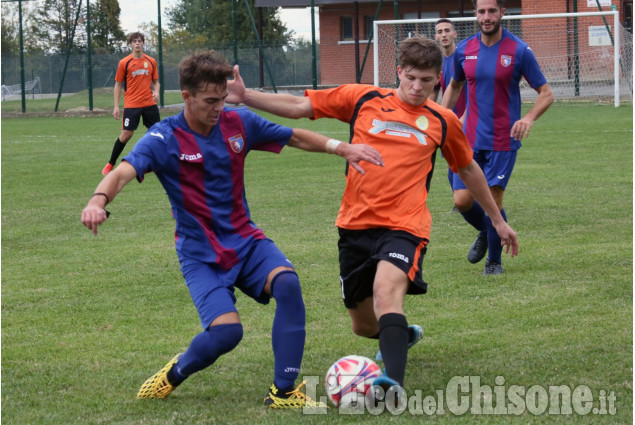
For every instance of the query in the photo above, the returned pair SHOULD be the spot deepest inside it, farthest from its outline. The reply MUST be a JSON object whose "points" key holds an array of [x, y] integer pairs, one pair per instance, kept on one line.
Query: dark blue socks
{"points": [[287, 337], [495, 250], [204, 349], [288, 332], [476, 217]]}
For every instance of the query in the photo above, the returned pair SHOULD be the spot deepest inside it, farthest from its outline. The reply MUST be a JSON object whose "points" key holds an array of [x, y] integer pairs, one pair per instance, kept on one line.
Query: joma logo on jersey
{"points": [[399, 257], [187, 157], [140, 72], [397, 129]]}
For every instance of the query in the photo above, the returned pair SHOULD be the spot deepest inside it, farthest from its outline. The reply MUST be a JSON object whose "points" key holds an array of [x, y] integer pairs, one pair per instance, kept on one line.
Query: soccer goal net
{"points": [[576, 51], [15, 91]]}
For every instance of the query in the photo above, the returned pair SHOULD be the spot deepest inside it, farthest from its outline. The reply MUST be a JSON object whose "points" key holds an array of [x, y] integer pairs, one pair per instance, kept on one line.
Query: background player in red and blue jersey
{"points": [[493, 62], [199, 157], [445, 34]]}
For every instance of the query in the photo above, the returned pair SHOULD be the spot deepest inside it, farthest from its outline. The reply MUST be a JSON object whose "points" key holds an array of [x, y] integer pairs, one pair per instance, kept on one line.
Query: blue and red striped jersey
{"points": [[446, 75], [493, 77], [203, 177]]}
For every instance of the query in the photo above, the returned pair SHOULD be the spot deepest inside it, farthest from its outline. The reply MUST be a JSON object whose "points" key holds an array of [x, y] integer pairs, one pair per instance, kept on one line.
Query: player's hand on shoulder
{"points": [[236, 88]]}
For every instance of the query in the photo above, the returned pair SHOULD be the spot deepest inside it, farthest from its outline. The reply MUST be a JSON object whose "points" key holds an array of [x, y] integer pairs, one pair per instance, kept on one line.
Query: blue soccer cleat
{"points": [[418, 335]]}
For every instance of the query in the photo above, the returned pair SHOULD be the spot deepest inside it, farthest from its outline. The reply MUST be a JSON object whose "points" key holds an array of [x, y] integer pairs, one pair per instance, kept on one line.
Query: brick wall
{"points": [[337, 59]]}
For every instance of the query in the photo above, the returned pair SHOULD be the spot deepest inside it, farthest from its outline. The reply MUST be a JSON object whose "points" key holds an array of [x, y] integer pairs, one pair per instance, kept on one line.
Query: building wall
{"points": [[338, 59]]}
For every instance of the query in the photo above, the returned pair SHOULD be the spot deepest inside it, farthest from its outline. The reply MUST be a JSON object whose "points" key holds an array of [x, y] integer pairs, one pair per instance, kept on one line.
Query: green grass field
{"points": [[85, 320], [102, 100]]}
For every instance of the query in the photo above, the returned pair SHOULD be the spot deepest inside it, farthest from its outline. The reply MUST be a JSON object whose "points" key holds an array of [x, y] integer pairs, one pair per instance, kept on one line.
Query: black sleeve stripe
{"points": [[368, 96], [125, 76], [444, 124]]}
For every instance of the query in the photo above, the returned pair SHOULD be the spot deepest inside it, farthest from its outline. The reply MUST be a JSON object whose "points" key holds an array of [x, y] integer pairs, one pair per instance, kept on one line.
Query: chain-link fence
{"points": [[276, 66]]}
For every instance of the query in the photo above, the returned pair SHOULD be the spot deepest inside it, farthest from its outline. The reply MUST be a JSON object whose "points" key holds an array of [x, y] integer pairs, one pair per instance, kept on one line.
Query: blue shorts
{"points": [[212, 288], [496, 165], [455, 181]]}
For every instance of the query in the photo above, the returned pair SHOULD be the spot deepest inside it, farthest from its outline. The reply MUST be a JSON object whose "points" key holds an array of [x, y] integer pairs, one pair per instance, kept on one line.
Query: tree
{"points": [[213, 22], [9, 43], [106, 32], [54, 25]]}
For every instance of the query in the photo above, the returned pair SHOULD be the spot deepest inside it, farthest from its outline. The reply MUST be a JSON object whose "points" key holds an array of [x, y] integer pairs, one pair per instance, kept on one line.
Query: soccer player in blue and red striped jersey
{"points": [[445, 34], [199, 158], [492, 62]]}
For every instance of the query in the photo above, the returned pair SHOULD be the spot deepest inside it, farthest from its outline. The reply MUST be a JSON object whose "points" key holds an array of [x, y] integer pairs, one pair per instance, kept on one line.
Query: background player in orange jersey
{"points": [[383, 222], [137, 74]]}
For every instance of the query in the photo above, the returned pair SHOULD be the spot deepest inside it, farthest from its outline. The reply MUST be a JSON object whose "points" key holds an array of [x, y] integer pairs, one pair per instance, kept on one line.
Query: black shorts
{"points": [[131, 117], [361, 250]]}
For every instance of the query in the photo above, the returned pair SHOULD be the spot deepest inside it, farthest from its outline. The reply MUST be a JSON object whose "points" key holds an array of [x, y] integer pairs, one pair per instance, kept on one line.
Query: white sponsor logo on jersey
{"points": [[140, 72], [397, 129], [194, 157]]}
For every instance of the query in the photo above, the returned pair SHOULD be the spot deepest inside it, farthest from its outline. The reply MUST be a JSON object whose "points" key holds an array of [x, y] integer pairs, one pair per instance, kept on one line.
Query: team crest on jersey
{"points": [[506, 60], [145, 64], [237, 143], [422, 123]]}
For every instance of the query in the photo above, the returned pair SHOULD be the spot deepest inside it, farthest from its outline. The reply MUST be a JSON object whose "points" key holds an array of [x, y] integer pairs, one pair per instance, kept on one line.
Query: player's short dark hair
{"points": [[202, 68], [499, 3], [133, 35], [420, 52], [444, 21]]}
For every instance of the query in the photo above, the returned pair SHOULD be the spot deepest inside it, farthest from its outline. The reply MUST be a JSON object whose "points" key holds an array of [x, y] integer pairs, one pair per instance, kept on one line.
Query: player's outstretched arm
{"points": [[474, 180], [94, 214], [283, 105], [353, 153]]}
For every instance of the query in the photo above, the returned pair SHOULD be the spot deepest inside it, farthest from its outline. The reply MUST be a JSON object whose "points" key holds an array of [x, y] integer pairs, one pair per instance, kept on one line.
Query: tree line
{"points": [[190, 24]]}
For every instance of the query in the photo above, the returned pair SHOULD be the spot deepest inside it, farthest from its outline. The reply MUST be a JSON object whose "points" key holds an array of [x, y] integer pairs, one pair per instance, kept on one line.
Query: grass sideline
{"points": [[85, 320]]}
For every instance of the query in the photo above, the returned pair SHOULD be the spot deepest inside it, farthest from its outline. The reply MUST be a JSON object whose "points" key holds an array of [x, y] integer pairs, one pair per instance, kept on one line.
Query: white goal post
{"points": [[584, 56]]}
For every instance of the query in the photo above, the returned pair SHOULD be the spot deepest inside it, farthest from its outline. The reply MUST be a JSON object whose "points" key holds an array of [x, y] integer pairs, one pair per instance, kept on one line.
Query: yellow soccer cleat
{"points": [[158, 385], [291, 400]]}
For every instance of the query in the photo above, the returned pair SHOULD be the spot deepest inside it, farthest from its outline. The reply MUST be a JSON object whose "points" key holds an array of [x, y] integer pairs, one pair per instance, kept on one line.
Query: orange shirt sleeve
{"points": [[456, 149], [155, 72], [121, 70]]}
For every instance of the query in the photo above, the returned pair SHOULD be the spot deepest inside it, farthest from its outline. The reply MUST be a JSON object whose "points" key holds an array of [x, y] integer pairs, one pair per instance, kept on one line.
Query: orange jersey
{"points": [[138, 74], [407, 137]]}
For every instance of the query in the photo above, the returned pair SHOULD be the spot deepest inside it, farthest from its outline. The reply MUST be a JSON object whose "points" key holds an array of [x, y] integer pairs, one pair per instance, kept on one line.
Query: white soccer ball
{"points": [[349, 379]]}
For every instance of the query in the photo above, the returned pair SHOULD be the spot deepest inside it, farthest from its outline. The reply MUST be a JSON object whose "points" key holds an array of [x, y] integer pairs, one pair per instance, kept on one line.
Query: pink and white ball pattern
{"points": [[349, 379]]}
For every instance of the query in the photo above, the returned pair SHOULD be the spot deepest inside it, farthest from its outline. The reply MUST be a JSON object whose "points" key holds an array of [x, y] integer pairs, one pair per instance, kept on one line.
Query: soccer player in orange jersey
{"points": [[137, 74], [383, 222]]}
